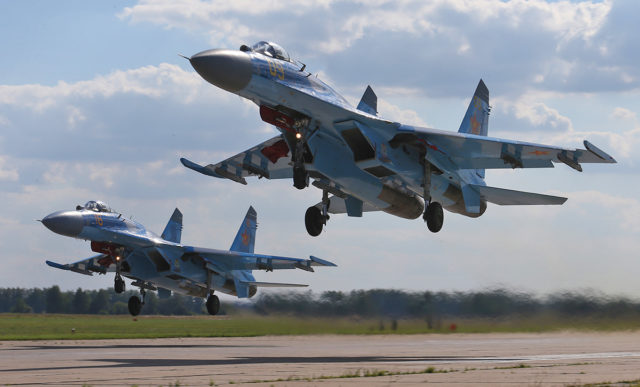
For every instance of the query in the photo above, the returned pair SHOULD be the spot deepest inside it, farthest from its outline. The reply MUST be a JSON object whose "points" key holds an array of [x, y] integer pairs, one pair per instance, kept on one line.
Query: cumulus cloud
{"points": [[7, 173], [623, 113], [563, 45]]}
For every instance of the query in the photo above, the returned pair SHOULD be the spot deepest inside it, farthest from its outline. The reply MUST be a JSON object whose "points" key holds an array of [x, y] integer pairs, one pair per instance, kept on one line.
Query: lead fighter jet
{"points": [[365, 162], [162, 263]]}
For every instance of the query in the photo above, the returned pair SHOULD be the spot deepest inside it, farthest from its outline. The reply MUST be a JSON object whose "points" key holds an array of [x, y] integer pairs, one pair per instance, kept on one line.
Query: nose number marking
{"points": [[276, 69]]}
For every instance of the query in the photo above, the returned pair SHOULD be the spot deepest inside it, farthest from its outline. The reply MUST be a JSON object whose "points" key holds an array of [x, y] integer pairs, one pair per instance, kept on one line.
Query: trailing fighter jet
{"points": [[161, 263], [365, 162]]}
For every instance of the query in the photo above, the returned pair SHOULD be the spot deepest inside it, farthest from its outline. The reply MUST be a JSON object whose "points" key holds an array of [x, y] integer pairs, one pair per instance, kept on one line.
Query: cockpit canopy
{"points": [[97, 206], [269, 49]]}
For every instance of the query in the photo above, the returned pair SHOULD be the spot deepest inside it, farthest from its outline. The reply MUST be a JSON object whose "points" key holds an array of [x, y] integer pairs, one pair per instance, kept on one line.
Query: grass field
{"points": [[62, 326]]}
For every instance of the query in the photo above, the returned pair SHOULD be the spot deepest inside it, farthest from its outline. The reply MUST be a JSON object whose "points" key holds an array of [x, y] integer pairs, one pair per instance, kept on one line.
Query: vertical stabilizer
{"points": [[476, 119], [246, 236], [369, 102], [173, 231]]}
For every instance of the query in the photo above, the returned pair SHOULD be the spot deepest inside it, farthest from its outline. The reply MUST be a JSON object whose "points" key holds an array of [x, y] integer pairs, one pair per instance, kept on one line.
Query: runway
{"points": [[565, 358]]}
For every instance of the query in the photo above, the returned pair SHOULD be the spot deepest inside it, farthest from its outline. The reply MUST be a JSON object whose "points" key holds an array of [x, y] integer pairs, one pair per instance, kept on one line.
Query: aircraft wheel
{"points": [[434, 216], [119, 285], [213, 304], [300, 178], [313, 221], [135, 305]]}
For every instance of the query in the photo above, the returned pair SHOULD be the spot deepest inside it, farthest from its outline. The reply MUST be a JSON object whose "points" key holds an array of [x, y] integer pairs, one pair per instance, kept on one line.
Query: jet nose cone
{"points": [[67, 223], [227, 69]]}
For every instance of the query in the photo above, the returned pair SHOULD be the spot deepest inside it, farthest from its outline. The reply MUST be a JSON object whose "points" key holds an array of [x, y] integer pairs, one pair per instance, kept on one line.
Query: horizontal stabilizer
{"points": [[507, 197], [320, 262], [273, 284]]}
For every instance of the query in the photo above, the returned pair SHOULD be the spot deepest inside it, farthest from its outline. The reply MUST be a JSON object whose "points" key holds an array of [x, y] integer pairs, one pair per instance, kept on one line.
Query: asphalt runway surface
{"points": [[562, 359]]}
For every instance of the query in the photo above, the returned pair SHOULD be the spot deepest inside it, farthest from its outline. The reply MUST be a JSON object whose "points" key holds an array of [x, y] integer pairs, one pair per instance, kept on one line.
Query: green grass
{"points": [[60, 326]]}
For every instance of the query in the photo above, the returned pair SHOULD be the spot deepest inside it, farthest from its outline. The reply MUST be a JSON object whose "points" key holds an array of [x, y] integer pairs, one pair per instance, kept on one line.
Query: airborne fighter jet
{"points": [[367, 163], [161, 263]]}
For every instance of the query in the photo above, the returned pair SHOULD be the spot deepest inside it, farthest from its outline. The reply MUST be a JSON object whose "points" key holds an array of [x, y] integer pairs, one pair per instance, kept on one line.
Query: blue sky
{"points": [[95, 103]]}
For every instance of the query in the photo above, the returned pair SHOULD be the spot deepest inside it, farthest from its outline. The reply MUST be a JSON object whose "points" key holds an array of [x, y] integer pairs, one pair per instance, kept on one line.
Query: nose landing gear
{"points": [[119, 285]]}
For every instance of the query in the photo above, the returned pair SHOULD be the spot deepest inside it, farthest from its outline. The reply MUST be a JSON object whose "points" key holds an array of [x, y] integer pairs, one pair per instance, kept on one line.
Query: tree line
{"points": [[375, 303]]}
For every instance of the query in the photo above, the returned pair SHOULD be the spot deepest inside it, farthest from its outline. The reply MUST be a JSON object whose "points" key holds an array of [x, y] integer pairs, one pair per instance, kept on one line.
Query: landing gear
{"points": [[434, 216], [313, 221], [135, 305], [315, 218], [300, 175], [213, 304], [119, 285]]}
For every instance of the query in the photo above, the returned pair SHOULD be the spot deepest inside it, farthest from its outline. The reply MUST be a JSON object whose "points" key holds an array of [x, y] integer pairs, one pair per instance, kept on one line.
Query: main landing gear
{"points": [[433, 214], [315, 218], [135, 303], [213, 304]]}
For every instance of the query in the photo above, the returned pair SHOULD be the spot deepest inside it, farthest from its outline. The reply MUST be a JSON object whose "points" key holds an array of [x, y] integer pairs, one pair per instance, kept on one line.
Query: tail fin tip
{"points": [[173, 230]]}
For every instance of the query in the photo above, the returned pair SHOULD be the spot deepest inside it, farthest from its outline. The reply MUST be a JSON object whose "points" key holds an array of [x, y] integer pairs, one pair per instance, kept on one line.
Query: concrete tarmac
{"points": [[546, 359]]}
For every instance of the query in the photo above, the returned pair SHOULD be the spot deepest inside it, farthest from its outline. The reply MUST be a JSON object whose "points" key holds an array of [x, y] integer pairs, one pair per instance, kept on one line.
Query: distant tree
{"points": [[150, 304], [100, 302], [119, 308], [21, 307], [54, 300], [37, 300], [81, 302]]}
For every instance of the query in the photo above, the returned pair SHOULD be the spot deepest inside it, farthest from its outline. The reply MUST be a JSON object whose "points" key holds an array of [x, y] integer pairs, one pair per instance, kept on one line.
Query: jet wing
{"points": [[235, 260], [100, 263], [270, 159], [468, 151]]}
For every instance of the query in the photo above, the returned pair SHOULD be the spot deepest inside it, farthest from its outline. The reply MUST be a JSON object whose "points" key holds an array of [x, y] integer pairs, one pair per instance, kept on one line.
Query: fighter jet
{"points": [[161, 263], [365, 162]]}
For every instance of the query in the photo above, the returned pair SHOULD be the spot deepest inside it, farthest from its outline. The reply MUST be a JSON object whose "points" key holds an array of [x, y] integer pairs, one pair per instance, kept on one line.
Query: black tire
{"points": [[313, 221], [119, 285], [135, 305], [213, 304], [434, 216], [300, 178]]}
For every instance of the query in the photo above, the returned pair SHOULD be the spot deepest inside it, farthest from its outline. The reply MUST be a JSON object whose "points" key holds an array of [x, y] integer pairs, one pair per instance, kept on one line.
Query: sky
{"points": [[96, 104]]}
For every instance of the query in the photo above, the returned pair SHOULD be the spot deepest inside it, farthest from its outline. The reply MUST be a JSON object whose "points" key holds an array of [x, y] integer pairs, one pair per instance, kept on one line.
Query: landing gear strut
{"points": [[315, 218], [213, 304], [300, 175], [433, 214]]}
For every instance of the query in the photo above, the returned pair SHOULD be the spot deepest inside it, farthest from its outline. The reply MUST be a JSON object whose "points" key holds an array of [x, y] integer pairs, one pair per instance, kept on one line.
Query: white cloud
{"points": [[7, 173], [149, 81], [528, 107], [621, 210], [625, 114]]}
